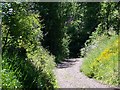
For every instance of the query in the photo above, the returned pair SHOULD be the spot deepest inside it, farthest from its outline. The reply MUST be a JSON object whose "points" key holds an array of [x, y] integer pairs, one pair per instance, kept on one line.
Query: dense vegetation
{"points": [[26, 64], [101, 49], [102, 61], [36, 35]]}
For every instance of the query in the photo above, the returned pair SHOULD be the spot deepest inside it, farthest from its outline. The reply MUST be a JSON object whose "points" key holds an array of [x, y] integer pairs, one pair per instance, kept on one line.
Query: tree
{"points": [[84, 23], [56, 17], [109, 17], [23, 56]]}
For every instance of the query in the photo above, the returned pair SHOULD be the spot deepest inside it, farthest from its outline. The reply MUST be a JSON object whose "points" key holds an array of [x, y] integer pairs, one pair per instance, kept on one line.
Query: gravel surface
{"points": [[69, 76]]}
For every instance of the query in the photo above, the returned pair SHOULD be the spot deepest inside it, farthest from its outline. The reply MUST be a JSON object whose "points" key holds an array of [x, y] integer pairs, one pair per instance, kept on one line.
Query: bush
{"points": [[36, 68], [44, 64], [92, 42], [101, 62], [25, 62], [9, 79]]}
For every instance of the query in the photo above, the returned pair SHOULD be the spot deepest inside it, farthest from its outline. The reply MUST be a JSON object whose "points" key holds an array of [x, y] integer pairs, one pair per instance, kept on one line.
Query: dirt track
{"points": [[69, 76]]}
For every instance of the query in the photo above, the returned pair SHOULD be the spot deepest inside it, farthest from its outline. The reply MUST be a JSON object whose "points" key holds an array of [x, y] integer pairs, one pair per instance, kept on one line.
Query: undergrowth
{"points": [[28, 71], [101, 62]]}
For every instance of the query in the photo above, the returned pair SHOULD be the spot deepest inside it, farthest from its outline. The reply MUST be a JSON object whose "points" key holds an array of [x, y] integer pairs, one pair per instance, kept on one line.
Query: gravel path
{"points": [[69, 76]]}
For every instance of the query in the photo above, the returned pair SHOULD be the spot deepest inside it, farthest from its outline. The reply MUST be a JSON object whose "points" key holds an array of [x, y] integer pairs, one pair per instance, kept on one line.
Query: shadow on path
{"points": [[67, 63], [68, 75]]}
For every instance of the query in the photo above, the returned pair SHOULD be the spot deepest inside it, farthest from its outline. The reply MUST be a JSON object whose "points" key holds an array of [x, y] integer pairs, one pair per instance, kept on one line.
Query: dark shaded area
{"points": [[66, 63], [52, 31], [29, 76], [84, 29], [17, 59]]}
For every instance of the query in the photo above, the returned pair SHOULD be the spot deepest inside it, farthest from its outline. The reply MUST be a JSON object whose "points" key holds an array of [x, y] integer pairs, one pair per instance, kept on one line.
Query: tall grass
{"points": [[33, 70], [101, 62]]}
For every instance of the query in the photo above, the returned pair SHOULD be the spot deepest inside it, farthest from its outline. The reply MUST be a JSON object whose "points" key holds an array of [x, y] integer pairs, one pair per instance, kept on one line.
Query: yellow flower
{"points": [[108, 52]]}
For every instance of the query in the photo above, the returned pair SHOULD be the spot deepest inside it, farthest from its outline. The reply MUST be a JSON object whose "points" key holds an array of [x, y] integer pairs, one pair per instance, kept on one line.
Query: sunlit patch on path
{"points": [[69, 76]]}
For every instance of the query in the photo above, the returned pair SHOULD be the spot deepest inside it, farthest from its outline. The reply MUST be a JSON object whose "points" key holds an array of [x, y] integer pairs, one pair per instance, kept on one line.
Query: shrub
{"points": [[9, 79], [44, 64], [36, 67], [25, 61]]}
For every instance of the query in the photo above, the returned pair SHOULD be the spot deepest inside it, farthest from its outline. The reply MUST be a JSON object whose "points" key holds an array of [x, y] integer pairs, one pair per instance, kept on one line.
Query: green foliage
{"points": [[109, 17], [92, 42], [0, 44], [107, 26], [0, 71], [9, 79], [22, 29], [62, 28], [100, 51], [56, 17], [25, 61], [84, 23], [44, 64], [101, 62], [36, 68]]}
